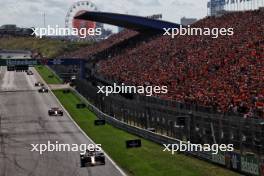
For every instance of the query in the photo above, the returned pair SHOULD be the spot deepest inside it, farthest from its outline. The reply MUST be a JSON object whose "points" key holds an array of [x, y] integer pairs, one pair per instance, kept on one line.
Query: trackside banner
{"points": [[16, 62], [32, 62]]}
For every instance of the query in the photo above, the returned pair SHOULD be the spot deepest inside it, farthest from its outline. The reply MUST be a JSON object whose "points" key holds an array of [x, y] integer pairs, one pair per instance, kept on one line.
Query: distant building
{"points": [[13, 30], [9, 26], [188, 21], [215, 6]]}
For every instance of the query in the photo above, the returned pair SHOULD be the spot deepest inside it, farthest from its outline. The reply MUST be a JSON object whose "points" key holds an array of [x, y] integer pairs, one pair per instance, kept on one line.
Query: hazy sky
{"points": [[28, 13]]}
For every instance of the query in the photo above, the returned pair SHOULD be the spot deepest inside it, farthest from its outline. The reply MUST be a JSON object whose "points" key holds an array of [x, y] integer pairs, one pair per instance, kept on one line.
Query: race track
{"points": [[24, 120]]}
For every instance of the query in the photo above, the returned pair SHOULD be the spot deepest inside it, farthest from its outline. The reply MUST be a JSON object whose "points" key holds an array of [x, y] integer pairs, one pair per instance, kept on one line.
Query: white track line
{"points": [[115, 165]]}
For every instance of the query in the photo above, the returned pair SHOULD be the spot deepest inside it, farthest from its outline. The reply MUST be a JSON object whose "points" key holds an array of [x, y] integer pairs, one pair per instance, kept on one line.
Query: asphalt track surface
{"points": [[24, 121]]}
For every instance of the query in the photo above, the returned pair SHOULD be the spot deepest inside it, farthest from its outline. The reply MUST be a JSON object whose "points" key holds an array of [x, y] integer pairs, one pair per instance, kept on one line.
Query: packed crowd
{"points": [[226, 73], [90, 50]]}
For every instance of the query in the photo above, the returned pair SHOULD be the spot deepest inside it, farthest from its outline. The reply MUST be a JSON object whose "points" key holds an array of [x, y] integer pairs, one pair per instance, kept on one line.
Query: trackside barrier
{"points": [[250, 164], [246, 164]]}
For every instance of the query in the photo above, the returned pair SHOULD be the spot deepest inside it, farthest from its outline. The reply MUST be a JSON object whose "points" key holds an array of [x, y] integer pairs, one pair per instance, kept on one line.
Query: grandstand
{"points": [[225, 73]]}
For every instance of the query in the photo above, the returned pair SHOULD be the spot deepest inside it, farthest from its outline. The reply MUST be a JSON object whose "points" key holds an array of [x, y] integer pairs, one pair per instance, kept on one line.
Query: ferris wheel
{"points": [[78, 8]]}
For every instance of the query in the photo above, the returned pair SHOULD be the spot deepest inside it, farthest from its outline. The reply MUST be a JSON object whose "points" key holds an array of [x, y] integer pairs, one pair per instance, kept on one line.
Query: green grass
{"points": [[48, 75], [48, 47], [149, 160]]}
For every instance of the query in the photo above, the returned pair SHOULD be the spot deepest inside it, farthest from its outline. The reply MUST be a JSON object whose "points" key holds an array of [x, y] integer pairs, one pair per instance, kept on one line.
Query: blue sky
{"points": [[28, 13]]}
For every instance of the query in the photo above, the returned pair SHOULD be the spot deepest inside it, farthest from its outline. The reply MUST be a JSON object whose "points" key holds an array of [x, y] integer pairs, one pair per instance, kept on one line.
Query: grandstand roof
{"points": [[138, 23]]}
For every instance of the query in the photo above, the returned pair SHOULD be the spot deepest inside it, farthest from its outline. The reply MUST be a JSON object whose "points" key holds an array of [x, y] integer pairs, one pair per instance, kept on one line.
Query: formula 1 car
{"points": [[92, 158], [39, 84], [43, 90], [55, 112], [29, 72]]}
